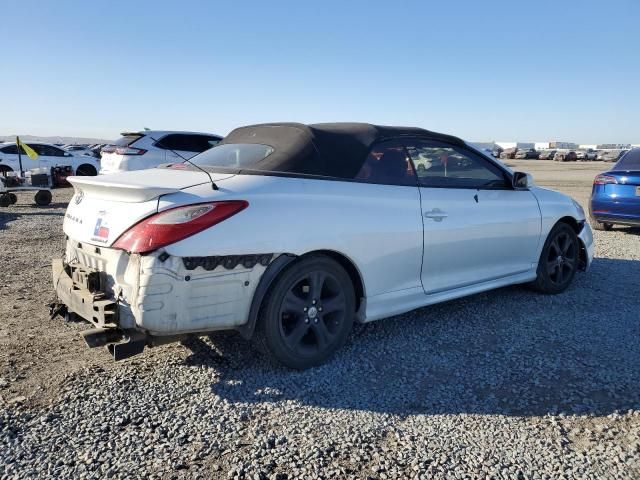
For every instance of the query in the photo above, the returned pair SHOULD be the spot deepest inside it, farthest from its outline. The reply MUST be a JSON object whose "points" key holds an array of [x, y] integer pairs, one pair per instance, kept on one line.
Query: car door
{"points": [[477, 228], [391, 243]]}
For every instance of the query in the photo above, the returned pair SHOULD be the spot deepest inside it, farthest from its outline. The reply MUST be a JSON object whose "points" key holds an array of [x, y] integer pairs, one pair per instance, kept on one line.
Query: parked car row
{"points": [[559, 155], [588, 154], [92, 149], [610, 155]]}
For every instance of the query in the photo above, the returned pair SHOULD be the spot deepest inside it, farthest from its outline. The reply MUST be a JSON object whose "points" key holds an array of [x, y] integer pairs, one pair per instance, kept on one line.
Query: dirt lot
{"points": [[504, 384]]}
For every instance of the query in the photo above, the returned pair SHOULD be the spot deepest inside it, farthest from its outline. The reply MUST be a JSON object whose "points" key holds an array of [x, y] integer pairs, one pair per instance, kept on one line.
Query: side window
{"points": [[187, 142], [55, 151], [208, 142], [447, 166], [387, 164], [10, 150], [200, 143], [49, 151], [39, 149], [170, 142]]}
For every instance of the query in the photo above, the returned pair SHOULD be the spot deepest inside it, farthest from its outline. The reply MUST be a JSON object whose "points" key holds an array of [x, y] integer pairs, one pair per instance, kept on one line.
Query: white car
{"points": [[79, 150], [291, 233], [150, 148], [49, 156]]}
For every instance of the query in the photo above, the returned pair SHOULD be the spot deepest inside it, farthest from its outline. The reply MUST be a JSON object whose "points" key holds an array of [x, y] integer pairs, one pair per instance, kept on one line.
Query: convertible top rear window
{"points": [[234, 155]]}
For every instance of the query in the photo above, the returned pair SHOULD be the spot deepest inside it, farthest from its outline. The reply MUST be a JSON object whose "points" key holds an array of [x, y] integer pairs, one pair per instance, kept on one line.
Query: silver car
{"points": [[289, 233]]}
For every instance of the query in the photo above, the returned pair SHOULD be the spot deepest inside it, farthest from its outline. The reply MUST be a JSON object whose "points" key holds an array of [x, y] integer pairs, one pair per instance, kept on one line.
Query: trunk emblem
{"points": [[79, 197]]}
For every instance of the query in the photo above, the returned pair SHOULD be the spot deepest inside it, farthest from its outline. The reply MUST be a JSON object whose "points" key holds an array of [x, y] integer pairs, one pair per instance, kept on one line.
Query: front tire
{"points": [[558, 261], [308, 312]]}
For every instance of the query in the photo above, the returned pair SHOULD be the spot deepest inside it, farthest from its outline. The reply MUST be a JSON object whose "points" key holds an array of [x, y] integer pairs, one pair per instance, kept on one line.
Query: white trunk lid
{"points": [[104, 207]]}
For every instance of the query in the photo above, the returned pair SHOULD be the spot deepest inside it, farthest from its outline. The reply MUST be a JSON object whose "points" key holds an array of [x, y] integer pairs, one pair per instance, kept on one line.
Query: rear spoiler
{"points": [[123, 192]]}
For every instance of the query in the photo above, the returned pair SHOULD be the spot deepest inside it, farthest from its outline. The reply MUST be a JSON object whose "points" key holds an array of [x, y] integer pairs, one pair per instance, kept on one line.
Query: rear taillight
{"points": [[604, 179], [173, 225], [108, 149], [130, 151]]}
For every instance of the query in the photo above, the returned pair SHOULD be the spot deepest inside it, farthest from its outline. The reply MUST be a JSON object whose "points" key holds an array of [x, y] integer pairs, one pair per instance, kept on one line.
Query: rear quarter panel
{"points": [[378, 227]]}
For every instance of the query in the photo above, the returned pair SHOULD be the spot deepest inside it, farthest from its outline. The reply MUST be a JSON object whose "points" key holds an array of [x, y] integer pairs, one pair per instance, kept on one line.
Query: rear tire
{"points": [[13, 197], [43, 198], [308, 313], [602, 226], [558, 261]]}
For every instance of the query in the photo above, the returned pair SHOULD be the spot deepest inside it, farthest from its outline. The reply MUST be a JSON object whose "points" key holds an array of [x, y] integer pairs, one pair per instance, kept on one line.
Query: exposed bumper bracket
{"points": [[78, 298]]}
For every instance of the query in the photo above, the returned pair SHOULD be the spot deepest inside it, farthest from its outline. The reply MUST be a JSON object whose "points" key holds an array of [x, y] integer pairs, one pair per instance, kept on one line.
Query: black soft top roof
{"points": [[326, 149]]}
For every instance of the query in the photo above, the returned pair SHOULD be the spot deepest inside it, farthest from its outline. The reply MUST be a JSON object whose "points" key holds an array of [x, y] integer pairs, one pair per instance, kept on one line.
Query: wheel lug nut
{"points": [[319, 309], [305, 309], [314, 302], [315, 321], [306, 320]]}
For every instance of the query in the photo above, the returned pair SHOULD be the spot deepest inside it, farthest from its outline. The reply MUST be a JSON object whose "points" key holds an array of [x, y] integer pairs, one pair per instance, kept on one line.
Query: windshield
{"points": [[629, 161], [233, 155]]}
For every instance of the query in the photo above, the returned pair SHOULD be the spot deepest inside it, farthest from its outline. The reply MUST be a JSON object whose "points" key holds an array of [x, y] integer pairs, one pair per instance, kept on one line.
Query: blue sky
{"points": [[483, 70]]}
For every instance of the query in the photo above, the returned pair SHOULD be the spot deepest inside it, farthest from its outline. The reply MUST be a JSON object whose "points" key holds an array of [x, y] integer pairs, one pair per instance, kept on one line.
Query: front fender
{"points": [[555, 206]]}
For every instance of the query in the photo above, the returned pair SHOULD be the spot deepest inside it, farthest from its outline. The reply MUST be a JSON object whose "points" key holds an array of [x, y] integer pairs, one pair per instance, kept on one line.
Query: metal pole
{"points": [[18, 144]]}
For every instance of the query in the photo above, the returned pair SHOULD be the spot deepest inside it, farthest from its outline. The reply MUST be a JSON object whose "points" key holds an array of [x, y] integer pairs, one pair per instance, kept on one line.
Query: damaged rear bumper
{"points": [[147, 300], [72, 285], [78, 292]]}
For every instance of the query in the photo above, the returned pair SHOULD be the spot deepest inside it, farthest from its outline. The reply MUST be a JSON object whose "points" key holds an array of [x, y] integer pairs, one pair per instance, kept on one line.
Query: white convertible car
{"points": [[289, 233]]}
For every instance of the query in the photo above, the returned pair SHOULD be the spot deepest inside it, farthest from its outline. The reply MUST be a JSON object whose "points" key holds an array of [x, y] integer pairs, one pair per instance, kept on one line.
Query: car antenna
{"points": [[213, 184]]}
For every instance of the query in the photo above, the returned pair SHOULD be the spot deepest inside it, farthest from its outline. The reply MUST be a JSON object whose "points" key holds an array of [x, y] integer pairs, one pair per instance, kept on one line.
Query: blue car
{"points": [[615, 198]]}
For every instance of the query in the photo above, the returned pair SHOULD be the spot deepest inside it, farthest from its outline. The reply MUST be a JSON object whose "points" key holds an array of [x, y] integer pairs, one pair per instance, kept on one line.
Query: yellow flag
{"points": [[28, 150]]}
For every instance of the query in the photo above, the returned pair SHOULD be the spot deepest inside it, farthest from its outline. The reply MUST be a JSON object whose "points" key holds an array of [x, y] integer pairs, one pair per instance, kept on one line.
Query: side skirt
{"points": [[395, 303]]}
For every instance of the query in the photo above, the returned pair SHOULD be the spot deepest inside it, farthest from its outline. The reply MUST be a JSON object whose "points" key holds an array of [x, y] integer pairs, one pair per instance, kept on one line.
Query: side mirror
{"points": [[67, 154], [521, 180]]}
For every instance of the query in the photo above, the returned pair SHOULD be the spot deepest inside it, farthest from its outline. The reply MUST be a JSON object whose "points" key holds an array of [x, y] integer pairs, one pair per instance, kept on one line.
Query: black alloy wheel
{"points": [[308, 313], [558, 261]]}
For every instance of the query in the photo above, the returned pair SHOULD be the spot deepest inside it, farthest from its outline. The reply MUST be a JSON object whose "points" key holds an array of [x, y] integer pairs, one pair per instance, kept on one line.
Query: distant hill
{"points": [[65, 140]]}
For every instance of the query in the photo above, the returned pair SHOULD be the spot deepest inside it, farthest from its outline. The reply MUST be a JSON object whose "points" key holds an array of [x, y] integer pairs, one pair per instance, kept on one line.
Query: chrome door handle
{"points": [[436, 214]]}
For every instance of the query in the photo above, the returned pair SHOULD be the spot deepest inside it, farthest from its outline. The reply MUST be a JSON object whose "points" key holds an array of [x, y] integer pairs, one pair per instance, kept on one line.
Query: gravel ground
{"points": [[505, 384]]}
